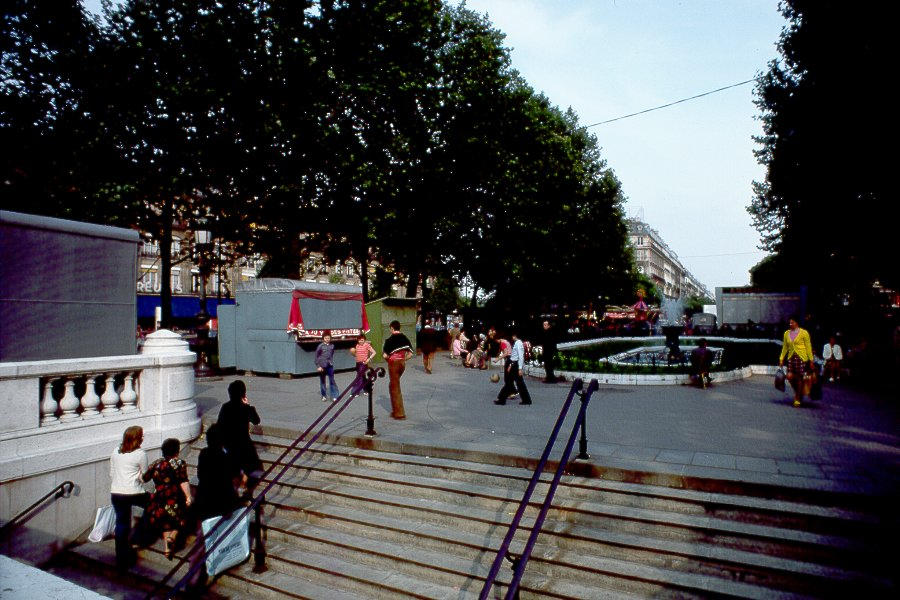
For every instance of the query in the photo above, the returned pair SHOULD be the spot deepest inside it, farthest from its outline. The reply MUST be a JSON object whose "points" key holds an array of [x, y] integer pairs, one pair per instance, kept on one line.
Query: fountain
{"points": [[671, 315]]}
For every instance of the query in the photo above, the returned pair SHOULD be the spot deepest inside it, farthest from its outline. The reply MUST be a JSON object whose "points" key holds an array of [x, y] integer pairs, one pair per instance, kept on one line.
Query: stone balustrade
{"points": [[63, 418]]}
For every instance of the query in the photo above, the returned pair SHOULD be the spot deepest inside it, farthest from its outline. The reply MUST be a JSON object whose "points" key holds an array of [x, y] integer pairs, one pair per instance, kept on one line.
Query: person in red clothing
{"points": [[363, 351]]}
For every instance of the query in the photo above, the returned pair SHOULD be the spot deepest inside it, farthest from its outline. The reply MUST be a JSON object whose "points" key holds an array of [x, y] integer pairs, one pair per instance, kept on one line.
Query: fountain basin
{"points": [[659, 356]]}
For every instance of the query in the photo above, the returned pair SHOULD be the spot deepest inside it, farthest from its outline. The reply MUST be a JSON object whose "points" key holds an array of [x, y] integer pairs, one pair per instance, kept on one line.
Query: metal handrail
{"points": [[60, 491], [355, 387], [520, 562]]}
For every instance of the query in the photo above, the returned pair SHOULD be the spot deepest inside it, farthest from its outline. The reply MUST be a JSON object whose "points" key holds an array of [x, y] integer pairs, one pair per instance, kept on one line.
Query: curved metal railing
{"points": [[60, 491], [519, 563]]}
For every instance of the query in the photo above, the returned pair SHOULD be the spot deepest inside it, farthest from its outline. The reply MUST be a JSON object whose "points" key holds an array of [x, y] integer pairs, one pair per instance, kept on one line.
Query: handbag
{"points": [[815, 385], [234, 549], [779, 380], [104, 524]]}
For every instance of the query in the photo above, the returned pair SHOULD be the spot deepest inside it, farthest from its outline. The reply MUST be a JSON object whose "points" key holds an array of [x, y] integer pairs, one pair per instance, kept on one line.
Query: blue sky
{"points": [[686, 170]]}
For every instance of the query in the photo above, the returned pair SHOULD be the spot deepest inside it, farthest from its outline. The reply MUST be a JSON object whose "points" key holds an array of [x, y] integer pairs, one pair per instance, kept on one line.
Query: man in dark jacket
{"points": [[548, 342], [235, 418]]}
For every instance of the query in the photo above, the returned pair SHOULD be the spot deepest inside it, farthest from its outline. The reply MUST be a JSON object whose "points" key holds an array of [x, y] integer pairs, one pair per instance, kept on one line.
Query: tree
{"points": [[823, 108], [50, 129]]}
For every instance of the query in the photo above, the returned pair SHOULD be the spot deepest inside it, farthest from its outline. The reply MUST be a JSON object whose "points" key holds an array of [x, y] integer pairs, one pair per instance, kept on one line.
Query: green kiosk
{"points": [[384, 310]]}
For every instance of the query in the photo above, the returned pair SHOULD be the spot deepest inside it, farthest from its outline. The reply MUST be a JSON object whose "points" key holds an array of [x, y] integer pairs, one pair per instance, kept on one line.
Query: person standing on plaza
{"points": [[363, 352], [832, 355], [797, 349], [428, 345], [396, 351], [325, 366], [235, 418], [127, 466], [548, 353], [513, 379]]}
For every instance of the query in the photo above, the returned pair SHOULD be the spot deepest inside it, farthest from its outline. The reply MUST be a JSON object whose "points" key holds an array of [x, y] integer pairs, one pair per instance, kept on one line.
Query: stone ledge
{"points": [[653, 379]]}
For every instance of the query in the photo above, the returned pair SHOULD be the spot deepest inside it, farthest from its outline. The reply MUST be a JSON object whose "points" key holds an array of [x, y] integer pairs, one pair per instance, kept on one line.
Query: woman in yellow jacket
{"points": [[797, 349]]}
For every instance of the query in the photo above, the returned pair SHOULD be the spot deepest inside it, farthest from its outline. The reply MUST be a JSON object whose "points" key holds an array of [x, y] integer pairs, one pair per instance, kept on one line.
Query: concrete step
{"points": [[747, 509], [669, 524], [440, 520], [558, 551], [797, 489], [460, 502], [95, 565], [694, 557]]}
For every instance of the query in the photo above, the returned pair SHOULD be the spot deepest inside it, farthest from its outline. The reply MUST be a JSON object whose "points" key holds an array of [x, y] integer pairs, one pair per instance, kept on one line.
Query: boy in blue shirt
{"points": [[325, 366]]}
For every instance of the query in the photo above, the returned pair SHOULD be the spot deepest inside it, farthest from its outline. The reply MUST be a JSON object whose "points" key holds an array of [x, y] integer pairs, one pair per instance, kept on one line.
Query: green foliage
{"points": [[392, 131], [824, 107]]}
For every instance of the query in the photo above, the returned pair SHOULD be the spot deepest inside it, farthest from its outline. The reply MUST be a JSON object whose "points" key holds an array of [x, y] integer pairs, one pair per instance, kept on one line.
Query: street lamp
{"points": [[201, 242]]}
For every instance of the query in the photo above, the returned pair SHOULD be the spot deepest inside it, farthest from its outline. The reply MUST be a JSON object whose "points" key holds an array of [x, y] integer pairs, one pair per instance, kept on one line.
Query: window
{"points": [[150, 248], [149, 281], [176, 280]]}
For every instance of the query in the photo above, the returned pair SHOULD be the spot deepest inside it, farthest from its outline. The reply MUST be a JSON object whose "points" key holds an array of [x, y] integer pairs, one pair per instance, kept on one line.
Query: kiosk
{"points": [[276, 324]]}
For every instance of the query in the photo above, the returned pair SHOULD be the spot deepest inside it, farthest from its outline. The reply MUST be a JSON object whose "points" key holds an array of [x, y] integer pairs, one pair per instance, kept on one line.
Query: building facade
{"points": [[654, 258]]}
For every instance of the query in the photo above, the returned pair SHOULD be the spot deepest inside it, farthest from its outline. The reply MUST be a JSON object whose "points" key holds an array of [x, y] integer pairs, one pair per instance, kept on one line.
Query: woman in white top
{"points": [[833, 356], [126, 467]]}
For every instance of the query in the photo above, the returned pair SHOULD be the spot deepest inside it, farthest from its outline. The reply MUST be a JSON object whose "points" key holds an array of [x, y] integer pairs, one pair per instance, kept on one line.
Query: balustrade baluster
{"points": [[48, 405], [128, 395], [90, 401], [110, 397], [69, 403]]}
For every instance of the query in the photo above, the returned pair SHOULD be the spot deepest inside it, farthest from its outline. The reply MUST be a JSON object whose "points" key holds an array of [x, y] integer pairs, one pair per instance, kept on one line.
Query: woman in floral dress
{"points": [[167, 511]]}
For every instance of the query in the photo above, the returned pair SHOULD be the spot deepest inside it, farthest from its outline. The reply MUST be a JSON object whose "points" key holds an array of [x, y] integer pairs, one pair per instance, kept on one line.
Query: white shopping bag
{"points": [[234, 549], [104, 524]]}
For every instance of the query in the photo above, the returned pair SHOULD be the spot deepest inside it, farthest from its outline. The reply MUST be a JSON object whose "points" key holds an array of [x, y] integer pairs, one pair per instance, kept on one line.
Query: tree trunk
{"points": [[165, 255], [364, 276], [412, 283], [474, 302]]}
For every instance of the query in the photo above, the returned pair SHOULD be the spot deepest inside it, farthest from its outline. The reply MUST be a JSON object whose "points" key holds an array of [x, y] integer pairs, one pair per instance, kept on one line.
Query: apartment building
{"points": [[656, 260]]}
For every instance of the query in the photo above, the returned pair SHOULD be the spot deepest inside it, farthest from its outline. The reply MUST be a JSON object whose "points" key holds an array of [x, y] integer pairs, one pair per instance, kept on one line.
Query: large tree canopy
{"points": [[393, 131], [825, 109]]}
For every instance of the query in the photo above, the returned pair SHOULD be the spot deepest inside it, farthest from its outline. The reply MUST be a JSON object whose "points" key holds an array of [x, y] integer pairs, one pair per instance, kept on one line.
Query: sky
{"points": [[686, 170]]}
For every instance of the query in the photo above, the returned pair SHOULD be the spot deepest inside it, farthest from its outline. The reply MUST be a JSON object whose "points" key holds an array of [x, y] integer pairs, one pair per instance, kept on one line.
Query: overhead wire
{"points": [[641, 112]]}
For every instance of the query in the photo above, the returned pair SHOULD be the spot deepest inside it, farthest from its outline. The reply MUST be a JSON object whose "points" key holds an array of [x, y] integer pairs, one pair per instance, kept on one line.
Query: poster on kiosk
{"points": [[276, 324]]}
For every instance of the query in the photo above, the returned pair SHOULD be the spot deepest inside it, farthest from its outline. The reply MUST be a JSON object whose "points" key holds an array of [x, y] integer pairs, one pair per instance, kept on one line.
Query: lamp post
{"points": [[201, 241]]}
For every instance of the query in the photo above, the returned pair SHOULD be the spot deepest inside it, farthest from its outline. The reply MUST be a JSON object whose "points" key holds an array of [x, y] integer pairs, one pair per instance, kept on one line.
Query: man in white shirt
{"points": [[512, 376], [833, 356]]}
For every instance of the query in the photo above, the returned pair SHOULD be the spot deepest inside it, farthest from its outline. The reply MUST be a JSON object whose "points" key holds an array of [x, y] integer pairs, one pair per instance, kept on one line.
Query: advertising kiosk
{"points": [[276, 324]]}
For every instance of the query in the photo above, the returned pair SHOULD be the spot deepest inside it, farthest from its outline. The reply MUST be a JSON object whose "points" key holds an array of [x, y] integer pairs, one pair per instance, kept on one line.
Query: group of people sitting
{"points": [[228, 470], [477, 351]]}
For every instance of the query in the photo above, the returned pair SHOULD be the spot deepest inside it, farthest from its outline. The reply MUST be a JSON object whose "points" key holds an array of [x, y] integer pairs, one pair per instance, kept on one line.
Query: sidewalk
{"points": [[742, 431]]}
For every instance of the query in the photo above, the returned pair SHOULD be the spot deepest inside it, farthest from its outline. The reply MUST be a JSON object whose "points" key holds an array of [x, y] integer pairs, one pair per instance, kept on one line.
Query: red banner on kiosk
{"points": [[295, 320]]}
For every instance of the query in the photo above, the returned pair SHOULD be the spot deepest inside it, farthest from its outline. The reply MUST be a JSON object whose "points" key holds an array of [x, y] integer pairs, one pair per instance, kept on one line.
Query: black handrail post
{"points": [[259, 552], [514, 564], [371, 375], [582, 442]]}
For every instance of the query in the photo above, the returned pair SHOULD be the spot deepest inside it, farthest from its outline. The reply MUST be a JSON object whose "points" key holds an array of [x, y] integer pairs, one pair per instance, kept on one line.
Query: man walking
{"points": [[396, 351], [512, 376], [548, 343]]}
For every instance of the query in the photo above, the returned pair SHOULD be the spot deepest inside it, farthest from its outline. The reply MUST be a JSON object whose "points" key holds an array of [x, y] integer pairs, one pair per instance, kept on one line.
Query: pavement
{"points": [[745, 431]]}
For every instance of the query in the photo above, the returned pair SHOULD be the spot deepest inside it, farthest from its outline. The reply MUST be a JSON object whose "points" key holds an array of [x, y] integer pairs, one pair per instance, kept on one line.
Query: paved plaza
{"points": [[745, 430]]}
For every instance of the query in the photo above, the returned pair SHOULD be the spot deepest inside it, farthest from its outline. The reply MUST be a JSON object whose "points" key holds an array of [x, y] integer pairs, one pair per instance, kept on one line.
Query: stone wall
{"points": [[62, 419]]}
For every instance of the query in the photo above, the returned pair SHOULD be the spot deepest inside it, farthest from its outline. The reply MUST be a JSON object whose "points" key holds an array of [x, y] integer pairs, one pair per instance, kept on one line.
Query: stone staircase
{"points": [[348, 523]]}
